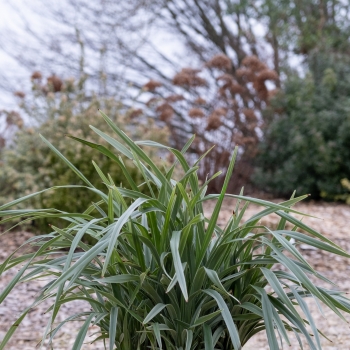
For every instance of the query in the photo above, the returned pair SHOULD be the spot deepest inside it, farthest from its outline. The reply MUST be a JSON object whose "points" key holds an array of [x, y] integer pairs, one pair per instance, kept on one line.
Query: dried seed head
{"points": [[134, 113], [220, 61], [245, 73], [237, 89], [188, 77], [214, 121], [261, 89], [196, 113], [254, 63], [249, 140], [20, 94], [267, 74], [190, 71], [54, 83], [220, 111], [175, 98], [152, 85], [36, 76], [152, 101], [165, 112], [237, 139], [200, 101], [227, 78], [249, 114], [14, 118]]}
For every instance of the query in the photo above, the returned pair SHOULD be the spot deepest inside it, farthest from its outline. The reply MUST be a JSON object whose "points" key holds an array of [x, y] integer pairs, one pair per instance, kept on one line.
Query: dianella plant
{"points": [[162, 275]]}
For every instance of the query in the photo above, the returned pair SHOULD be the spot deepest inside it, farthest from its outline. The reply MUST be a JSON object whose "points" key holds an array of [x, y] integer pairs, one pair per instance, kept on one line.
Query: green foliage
{"points": [[162, 275], [306, 145], [28, 165]]}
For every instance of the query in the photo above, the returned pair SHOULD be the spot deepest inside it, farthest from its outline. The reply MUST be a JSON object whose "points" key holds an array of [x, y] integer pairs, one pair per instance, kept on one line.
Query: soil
{"points": [[332, 221]]}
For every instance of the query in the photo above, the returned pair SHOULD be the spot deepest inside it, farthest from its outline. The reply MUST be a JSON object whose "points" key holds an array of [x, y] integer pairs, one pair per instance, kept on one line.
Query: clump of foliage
{"points": [[345, 196], [219, 103], [164, 276], [58, 108], [306, 144]]}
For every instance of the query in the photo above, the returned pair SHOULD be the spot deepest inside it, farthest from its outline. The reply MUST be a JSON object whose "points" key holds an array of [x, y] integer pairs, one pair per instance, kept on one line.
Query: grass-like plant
{"points": [[163, 276]]}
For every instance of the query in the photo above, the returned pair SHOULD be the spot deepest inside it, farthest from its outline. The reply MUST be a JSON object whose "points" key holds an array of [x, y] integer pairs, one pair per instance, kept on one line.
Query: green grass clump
{"points": [[162, 275]]}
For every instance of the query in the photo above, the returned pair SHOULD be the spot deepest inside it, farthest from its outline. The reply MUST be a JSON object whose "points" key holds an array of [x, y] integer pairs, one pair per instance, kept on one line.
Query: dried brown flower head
{"points": [[245, 73], [251, 126], [196, 113], [254, 63], [200, 101], [267, 74], [249, 114], [249, 140], [220, 61], [36, 75], [134, 113], [227, 78], [214, 121], [152, 101], [165, 112], [220, 111], [20, 94], [237, 89], [223, 92], [175, 98], [261, 89], [54, 83], [237, 138], [188, 77], [190, 71], [14, 118], [152, 85]]}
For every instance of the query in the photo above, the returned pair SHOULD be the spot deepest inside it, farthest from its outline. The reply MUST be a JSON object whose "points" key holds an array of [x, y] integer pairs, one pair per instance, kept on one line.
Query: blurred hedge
{"points": [[28, 165], [306, 144]]}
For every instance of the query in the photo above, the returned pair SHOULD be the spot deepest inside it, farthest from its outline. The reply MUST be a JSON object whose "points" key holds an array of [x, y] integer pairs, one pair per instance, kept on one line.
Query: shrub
{"points": [[306, 144], [222, 105], [164, 276], [28, 165]]}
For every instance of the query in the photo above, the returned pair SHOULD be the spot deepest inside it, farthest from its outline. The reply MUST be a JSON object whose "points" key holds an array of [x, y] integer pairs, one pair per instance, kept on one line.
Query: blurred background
{"points": [[271, 76]]}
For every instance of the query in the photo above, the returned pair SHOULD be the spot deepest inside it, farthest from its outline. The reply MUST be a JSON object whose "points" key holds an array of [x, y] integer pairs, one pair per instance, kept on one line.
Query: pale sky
{"points": [[8, 19]]}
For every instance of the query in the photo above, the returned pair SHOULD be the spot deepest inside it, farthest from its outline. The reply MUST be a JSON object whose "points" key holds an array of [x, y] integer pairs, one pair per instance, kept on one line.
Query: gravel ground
{"points": [[32, 328], [333, 223]]}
